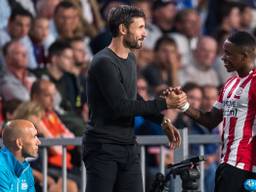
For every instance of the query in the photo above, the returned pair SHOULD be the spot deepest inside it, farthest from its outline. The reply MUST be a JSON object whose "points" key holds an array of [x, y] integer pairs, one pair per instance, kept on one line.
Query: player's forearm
{"points": [[207, 119]]}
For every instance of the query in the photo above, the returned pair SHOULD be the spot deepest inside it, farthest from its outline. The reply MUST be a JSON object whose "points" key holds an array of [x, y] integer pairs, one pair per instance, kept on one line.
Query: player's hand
{"points": [[176, 99], [172, 133]]}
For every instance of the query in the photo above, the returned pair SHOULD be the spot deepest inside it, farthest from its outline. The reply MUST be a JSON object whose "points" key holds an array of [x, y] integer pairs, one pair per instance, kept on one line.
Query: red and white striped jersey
{"points": [[237, 100]]}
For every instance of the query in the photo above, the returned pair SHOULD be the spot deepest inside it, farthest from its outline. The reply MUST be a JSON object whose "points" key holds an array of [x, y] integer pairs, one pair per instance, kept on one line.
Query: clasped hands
{"points": [[175, 98]]}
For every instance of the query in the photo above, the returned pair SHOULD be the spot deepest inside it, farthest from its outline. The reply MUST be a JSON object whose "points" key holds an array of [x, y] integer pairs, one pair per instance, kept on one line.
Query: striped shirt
{"points": [[237, 100]]}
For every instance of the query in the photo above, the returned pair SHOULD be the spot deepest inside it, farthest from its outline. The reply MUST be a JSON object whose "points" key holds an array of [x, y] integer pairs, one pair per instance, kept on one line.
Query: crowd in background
{"points": [[47, 45]]}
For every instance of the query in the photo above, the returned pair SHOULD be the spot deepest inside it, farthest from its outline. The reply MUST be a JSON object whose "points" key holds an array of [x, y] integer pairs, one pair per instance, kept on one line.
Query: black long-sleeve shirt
{"points": [[112, 99]]}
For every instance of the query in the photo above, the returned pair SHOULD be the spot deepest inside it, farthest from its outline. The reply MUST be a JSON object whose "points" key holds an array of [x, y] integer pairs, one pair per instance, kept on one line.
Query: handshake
{"points": [[175, 98]]}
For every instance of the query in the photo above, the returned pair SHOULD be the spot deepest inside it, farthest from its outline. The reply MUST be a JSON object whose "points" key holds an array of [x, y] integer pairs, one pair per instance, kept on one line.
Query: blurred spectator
{"points": [[144, 56], [81, 57], [246, 17], [194, 95], [145, 6], [142, 88], [142, 125], [210, 95], [200, 69], [43, 92], [38, 35], [16, 81], [61, 60], [19, 24], [68, 101], [80, 68], [7, 111], [230, 17], [18, 28], [9, 108], [96, 24], [164, 12], [187, 30], [45, 8], [213, 16], [163, 72], [222, 15], [65, 22]]}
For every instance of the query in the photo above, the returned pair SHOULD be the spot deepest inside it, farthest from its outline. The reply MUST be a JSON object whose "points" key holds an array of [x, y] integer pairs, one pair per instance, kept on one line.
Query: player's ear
{"points": [[244, 56], [122, 29], [19, 143]]}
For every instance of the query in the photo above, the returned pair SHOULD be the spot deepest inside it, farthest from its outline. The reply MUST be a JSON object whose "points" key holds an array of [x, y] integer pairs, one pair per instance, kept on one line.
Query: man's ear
{"points": [[122, 29], [19, 143], [245, 56]]}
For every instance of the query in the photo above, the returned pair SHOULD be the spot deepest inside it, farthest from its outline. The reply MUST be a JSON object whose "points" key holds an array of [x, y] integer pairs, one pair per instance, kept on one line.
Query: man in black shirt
{"points": [[111, 155]]}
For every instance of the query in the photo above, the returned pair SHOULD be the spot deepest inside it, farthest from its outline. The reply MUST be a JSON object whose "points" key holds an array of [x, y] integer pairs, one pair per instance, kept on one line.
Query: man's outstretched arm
{"points": [[209, 119]]}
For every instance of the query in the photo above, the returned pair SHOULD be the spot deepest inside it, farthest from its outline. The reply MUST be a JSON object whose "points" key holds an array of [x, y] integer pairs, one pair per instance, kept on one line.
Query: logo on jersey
{"points": [[230, 108], [239, 91], [24, 185], [230, 112]]}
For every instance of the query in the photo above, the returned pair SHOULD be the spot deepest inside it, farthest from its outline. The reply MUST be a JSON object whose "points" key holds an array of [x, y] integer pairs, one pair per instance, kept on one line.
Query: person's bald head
{"points": [[20, 136]]}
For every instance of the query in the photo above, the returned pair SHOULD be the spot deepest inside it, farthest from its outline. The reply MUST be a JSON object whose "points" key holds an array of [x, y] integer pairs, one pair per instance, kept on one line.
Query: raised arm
{"points": [[209, 119], [106, 75]]}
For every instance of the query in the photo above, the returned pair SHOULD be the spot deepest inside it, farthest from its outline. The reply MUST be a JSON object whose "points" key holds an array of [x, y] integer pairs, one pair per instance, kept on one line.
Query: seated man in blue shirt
{"points": [[20, 140]]}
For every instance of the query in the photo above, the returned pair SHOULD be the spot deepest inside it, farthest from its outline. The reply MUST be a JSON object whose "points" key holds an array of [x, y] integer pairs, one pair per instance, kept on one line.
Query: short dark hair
{"points": [[58, 47], [20, 12], [64, 5], [245, 41], [164, 40], [242, 38], [189, 86], [123, 14]]}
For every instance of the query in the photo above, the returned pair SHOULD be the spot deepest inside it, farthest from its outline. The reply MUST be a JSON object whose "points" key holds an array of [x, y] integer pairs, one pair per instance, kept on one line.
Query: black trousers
{"points": [[112, 168], [230, 179]]}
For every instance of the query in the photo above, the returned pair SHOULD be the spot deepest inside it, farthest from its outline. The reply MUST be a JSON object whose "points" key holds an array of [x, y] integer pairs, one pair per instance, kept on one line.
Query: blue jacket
{"points": [[14, 176]]}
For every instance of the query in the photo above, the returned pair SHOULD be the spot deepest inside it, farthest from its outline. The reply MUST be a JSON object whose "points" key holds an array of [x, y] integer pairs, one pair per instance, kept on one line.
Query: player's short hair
{"points": [[243, 40], [122, 15]]}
